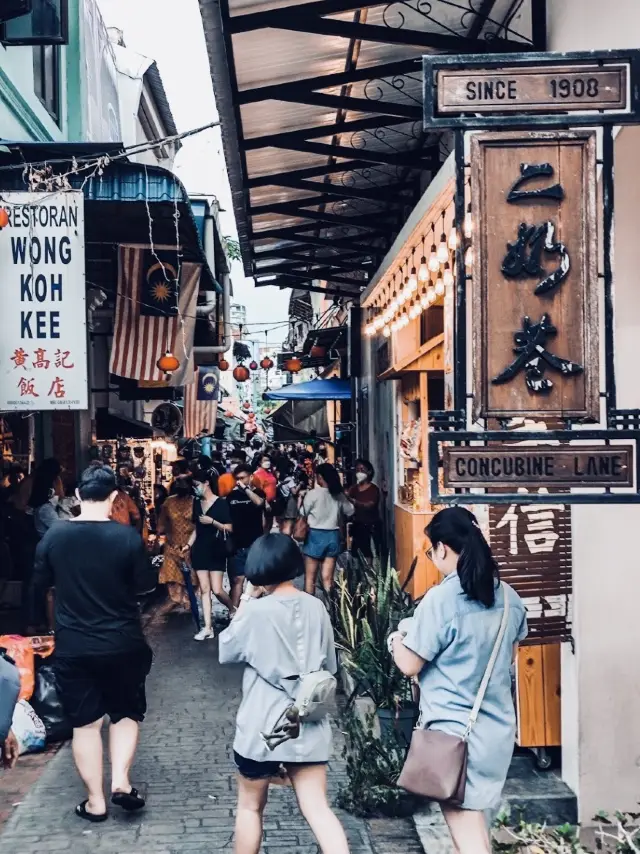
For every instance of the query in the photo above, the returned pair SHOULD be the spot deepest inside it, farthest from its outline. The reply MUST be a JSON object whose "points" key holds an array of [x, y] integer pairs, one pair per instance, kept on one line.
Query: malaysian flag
{"points": [[153, 314], [201, 402]]}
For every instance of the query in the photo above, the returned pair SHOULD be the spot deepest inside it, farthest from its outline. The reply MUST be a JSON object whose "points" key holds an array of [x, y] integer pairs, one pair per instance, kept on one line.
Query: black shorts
{"points": [[93, 686], [252, 770]]}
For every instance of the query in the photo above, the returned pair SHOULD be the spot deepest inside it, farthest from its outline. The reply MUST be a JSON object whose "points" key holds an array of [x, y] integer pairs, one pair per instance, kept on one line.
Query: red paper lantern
{"points": [[241, 373], [223, 365], [246, 405], [4, 218], [253, 366], [266, 363], [318, 352], [168, 363], [267, 410], [293, 366]]}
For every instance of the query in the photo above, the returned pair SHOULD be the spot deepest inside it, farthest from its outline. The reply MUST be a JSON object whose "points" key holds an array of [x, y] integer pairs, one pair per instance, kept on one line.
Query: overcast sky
{"points": [[171, 33]]}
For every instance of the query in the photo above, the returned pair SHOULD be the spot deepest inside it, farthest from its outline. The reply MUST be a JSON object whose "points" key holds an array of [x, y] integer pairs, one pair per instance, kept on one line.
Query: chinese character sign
{"points": [[535, 279], [43, 349]]}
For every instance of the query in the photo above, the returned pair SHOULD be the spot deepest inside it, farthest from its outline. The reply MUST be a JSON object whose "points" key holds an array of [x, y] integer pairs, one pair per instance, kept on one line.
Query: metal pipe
{"points": [[207, 309]]}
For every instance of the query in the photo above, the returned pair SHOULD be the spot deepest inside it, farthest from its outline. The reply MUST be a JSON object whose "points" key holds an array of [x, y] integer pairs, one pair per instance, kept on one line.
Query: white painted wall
{"points": [[600, 688]]}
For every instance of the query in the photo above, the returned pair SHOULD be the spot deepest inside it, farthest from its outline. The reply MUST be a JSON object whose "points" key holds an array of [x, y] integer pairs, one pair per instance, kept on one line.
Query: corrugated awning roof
{"points": [[321, 104]]}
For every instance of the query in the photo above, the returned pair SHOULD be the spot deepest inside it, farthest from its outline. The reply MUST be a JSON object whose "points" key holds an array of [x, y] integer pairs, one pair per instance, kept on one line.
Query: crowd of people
{"points": [[265, 517]]}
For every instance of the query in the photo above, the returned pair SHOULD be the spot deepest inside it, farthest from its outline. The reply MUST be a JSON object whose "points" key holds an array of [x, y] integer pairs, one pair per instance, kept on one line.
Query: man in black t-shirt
{"points": [[98, 568], [247, 505]]}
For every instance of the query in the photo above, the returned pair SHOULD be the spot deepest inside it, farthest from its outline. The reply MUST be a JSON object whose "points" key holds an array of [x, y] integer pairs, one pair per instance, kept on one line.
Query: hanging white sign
{"points": [[43, 326]]}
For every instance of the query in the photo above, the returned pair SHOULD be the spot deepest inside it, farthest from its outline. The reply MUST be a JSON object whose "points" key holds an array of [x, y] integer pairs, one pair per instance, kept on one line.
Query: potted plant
{"points": [[369, 608]]}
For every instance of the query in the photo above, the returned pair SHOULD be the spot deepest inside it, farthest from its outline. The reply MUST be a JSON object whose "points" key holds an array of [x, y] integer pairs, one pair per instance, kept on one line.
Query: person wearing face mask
{"points": [[175, 523], [265, 479], [209, 546], [365, 497]]}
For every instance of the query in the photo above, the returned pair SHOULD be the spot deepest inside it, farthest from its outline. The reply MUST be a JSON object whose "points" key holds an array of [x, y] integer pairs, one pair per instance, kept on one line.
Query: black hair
{"points": [[97, 483], [331, 477], [272, 559], [43, 480], [366, 465], [458, 529], [182, 485], [238, 454], [216, 456], [243, 468], [207, 476], [179, 467]]}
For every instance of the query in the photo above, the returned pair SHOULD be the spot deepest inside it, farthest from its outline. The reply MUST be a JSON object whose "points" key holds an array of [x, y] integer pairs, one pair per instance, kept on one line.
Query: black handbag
{"points": [[227, 543]]}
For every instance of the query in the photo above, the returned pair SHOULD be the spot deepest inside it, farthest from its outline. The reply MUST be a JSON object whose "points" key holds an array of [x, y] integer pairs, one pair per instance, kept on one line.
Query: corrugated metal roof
{"points": [[265, 59]]}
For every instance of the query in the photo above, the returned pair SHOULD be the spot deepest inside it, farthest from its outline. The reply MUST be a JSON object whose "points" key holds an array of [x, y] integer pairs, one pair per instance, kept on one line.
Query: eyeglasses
{"points": [[429, 553]]}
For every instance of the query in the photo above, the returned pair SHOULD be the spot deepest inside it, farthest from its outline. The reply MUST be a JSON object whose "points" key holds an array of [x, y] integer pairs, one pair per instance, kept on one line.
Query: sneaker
{"points": [[204, 634]]}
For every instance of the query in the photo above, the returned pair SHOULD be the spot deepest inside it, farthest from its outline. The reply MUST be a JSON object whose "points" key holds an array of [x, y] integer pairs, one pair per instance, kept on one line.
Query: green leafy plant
{"points": [[232, 248], [617, 835], [373, 767], [370, 605]]}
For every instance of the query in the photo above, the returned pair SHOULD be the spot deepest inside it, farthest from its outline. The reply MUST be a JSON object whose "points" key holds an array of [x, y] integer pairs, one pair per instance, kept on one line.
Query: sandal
{"points": [[81, 812], [129, 801]]}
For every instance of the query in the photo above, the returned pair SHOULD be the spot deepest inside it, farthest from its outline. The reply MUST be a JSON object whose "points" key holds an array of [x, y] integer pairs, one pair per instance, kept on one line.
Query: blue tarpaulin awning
{"points": [[331, 389]]}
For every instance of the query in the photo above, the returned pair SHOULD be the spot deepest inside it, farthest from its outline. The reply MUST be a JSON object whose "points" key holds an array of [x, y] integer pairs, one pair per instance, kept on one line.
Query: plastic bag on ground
{"points": [[28, 728]]}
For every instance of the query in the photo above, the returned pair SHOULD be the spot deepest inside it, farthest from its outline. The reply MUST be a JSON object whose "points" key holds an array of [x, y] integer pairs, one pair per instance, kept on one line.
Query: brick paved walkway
{"points": [[184, 768]]}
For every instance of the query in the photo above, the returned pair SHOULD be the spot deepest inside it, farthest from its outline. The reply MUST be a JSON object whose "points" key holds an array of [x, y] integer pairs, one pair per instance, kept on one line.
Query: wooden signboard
{"points": [[535, 277], [539, 89], [562, 466]]}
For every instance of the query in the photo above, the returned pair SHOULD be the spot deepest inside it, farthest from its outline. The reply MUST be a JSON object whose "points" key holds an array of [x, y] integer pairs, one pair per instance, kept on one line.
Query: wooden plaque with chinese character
{"points": [[532, 545], [535, 277]]}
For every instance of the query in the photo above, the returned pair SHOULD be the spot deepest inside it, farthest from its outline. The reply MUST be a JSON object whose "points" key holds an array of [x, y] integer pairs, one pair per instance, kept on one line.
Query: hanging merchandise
{"points": [[223, 365]]}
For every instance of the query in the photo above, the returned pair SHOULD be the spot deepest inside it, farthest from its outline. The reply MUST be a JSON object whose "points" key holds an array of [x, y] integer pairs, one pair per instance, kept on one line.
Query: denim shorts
{"points": [[237, 564], [252, 770], [321, 544]]}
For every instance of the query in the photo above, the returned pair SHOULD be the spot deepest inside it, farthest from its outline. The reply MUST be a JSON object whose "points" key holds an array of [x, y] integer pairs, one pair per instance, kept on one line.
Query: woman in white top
{"points": [[324, 509]]}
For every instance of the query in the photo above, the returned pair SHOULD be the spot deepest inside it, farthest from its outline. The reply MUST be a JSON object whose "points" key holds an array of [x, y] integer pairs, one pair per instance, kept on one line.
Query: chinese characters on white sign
{"points": [[43, 344]]}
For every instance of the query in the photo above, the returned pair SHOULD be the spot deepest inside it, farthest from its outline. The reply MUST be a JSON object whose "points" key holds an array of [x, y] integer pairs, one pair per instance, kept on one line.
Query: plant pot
{"points": [[400, 721]]}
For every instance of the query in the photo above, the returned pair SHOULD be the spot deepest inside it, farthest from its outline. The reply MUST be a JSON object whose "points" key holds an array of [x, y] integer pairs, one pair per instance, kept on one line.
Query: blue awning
{"points": [[331, 389]]}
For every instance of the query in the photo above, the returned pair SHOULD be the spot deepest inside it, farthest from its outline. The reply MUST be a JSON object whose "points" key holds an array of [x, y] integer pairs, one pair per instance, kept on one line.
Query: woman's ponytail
{"points": [[458, 529]]}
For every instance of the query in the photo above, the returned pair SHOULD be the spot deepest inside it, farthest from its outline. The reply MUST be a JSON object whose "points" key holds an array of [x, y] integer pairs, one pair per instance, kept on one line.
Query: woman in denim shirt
{"points": [[447, 645]]}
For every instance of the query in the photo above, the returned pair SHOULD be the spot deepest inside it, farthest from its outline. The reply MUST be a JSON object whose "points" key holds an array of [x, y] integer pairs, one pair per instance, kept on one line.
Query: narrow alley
{"points": [[185, 770]]}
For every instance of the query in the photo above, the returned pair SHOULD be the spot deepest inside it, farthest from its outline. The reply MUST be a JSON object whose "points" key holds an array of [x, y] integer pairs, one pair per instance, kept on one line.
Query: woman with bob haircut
{"points": [[279, 633], [448, 645]]}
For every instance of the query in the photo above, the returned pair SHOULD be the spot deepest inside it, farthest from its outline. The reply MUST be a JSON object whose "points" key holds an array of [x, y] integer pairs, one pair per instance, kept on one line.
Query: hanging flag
{"points": [[154, 314], [201, 402]]}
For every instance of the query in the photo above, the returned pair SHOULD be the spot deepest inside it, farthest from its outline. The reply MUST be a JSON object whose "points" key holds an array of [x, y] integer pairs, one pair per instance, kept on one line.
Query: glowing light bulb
{"points": [[394, 326], [393, 305], [423, 272], [453, 239], [419, 308], [378, 323], [448, 276], [468, 222], [413, 280], [443, 249], [433, 263], [431, 294], [439, 285], [424, 301], [402, 296], [386, 332], [369, 330], [468, 257]]}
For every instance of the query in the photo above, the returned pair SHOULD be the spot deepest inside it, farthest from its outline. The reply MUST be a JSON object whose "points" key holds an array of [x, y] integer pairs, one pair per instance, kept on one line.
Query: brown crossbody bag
{"points": [[436, 765]]}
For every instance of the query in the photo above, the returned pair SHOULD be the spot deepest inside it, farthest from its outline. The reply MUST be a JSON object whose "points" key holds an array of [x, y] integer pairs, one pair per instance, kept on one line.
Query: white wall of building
{"points": [[600, 688]]}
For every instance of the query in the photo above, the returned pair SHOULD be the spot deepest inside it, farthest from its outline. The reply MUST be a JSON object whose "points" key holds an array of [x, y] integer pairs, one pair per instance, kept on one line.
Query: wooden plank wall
{"points": [[539, 710]]}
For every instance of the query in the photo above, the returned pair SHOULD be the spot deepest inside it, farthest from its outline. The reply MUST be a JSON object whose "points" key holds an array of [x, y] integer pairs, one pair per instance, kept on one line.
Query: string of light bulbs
{"points": [[412, 288]]}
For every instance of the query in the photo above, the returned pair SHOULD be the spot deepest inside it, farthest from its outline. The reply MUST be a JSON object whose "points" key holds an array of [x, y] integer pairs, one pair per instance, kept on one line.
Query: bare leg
{"points": [[310, 786], [123, 740], [218, 590], [286, 526], [468, 829], [236, 590], [311, 566], [87, 754], [252, 799], [205, 594], [327, 573]]}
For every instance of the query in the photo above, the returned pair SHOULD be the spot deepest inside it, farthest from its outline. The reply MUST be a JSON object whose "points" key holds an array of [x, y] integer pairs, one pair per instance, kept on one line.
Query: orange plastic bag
{"points": [[21, 651]]}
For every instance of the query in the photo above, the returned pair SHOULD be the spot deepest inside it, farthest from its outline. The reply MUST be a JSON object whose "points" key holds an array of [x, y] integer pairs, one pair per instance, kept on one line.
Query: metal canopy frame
{"points": [[319, 202]]}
